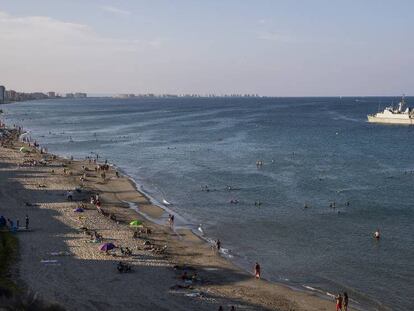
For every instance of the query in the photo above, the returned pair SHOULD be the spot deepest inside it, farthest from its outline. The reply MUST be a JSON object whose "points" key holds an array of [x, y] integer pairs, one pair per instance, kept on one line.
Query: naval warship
{"points": [[392, 115]]}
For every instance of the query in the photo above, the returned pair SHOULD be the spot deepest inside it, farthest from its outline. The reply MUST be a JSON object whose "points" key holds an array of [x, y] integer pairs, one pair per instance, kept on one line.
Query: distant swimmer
{"points": [[230, 188], [259, 163], [305, 206], [377, 234], [205, 188]]}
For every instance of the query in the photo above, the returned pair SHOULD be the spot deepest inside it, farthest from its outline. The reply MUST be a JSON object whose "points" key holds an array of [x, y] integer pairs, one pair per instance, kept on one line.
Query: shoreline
{"points": [[114, 199], [230, 257]]}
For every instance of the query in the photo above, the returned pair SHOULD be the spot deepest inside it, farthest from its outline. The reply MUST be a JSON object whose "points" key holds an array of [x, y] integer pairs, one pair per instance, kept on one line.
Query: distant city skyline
{"points": [[270, 48]]}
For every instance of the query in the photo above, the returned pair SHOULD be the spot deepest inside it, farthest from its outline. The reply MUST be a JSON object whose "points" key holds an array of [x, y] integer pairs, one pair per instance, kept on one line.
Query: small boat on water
{"points": [[165, 202], [392, 115]]}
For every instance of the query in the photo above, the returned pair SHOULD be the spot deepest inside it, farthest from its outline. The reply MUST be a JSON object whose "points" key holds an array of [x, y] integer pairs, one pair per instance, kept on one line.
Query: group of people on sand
{"points": [[341, 302], [12, 226]]}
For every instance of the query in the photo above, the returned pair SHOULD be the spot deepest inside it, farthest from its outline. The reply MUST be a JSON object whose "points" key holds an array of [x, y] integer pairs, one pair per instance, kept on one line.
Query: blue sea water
{"points": [[315, 151]]}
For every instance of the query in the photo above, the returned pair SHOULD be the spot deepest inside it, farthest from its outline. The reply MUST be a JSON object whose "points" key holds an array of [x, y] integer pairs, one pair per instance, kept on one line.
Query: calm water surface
{"points": [[315, 151]]}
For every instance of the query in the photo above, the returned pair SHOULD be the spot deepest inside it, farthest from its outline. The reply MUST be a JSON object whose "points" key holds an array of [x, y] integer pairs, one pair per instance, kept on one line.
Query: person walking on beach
{"points": [[338, 299], [218, 245], [345, 302], [257, 270], [171, 220], [69, 195]]}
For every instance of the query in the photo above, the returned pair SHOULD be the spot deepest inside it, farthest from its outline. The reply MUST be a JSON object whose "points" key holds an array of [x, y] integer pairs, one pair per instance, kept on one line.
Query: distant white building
{"points": [[2, 94]]}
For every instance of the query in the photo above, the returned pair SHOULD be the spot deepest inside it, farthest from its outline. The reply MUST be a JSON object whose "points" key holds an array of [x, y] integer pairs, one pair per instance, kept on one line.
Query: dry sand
{"points": [[87, 279]]}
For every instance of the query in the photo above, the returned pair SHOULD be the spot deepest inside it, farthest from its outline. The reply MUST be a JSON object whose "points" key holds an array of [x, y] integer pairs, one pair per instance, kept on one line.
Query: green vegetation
{"points": [[8, 254], [12, 297]]}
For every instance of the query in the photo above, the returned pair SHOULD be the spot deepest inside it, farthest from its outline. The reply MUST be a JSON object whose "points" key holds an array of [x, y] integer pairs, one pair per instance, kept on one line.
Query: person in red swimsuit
{"points": [[338, 302]]}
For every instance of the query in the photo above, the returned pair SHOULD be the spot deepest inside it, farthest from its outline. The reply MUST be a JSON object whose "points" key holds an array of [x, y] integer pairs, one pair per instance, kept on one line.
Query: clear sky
{"points": [[269, 47]]}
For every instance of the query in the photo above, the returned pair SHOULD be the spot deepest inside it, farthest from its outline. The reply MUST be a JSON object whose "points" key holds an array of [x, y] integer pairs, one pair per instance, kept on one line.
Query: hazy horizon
{"points": [[270, 48]]}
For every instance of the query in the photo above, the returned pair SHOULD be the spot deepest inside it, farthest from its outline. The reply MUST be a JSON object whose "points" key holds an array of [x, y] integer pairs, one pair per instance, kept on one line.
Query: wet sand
{"points": [[81, 277]]}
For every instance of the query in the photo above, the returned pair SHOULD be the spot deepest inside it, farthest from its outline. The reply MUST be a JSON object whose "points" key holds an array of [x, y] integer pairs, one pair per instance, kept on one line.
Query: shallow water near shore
{"points": [[315, 151]]}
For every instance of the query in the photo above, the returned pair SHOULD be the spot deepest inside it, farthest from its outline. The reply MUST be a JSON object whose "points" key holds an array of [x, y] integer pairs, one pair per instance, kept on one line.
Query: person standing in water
{"points": [[257, 270], [345, 302], [338, 300]]}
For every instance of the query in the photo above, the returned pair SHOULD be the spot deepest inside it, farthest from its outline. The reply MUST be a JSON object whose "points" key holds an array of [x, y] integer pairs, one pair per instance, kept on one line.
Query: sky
{"points": [[266, 47]]}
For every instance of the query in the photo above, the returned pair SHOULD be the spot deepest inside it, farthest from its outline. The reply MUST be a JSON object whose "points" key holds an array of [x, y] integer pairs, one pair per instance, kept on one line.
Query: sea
{"points": [[197, 157]]}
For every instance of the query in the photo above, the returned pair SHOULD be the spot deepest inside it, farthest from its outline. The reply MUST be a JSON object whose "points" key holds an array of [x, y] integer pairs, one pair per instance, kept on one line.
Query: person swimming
{"points": [[377, 234]]}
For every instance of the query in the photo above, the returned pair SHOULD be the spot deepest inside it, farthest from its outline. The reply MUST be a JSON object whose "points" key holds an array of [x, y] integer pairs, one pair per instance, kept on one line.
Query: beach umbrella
{"points": [[24, 149], [135, 223], [78, 210], [106, 247]]}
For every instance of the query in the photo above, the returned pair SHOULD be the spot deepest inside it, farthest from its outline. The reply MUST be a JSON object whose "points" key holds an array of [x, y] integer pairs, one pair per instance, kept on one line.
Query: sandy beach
{"points": [[60, 262]]}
